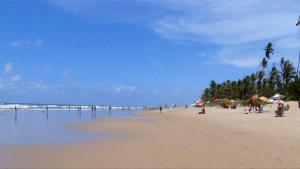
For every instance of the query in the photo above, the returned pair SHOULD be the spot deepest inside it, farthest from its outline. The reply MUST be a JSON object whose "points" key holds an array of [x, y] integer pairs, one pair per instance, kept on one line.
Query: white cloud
{"points": [[228, 24], [16, 43], [237, 27], [15, 78], [65, 73], [8, 68], [124, 88], [236, 56], [288, 43], [26, 43], [38, 43]]}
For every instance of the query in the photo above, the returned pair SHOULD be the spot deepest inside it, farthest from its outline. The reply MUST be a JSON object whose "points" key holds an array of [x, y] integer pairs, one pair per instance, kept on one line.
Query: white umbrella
{"points": [[277, 96]]}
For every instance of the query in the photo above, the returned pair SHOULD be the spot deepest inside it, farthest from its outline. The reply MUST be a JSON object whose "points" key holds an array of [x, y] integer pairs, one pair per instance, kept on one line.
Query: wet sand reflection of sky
{"points": [[52, 127]]}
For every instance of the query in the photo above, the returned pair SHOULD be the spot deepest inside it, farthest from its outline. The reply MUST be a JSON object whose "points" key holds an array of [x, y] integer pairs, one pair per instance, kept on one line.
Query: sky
{"points": [[136, 52]]}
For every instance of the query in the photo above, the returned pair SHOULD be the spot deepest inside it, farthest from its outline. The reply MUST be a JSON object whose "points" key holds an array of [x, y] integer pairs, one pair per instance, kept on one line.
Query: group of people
{"points": [[278, 112], [94, 108]]}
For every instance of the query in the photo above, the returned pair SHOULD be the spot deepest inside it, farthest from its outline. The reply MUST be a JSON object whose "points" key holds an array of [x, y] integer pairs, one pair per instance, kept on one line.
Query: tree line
{"points": [[281, 78]]}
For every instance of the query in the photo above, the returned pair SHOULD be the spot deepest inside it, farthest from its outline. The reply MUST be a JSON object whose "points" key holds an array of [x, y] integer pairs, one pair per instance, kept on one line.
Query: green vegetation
{"points": [[279, 79]]}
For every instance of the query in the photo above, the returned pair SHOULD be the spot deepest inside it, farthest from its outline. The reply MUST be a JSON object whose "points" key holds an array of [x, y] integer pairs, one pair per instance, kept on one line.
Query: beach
{"points": [[175, 138]]}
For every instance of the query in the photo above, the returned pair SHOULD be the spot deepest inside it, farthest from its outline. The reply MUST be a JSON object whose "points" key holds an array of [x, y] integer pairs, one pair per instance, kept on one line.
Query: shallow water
{"points": [[54, 127]]}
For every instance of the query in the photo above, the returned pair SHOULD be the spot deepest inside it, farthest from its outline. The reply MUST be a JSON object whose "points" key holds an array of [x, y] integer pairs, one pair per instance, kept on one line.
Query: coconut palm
{"points": [[212, 88], [288, 72], [264, 63], [273, 76], [253, 78], [268, 51], [260, 76]]}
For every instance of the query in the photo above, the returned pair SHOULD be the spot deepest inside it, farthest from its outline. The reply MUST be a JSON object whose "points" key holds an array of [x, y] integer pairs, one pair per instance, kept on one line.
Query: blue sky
{"points": [[137, 52]]}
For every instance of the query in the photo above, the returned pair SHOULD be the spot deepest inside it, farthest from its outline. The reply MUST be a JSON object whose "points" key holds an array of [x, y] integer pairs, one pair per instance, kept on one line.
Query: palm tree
{"points": [[273, 76], [268, 51], [288, 72], [253, 78], [264, 63], [260, 76], [213, 89]]}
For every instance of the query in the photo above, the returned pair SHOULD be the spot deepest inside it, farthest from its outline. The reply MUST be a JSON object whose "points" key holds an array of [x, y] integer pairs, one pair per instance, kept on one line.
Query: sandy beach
{"points": [[175, 138]]}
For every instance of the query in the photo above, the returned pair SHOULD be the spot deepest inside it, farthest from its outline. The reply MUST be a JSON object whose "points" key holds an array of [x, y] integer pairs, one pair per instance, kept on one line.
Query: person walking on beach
{"points": [[160, 109], [299, 103]]}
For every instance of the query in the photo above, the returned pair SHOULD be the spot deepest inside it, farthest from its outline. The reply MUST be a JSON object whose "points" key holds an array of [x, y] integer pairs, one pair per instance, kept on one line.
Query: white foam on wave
{"points": [[5, 107]]}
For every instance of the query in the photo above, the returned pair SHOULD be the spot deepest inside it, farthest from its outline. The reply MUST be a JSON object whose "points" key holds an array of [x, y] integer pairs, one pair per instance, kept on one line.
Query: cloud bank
{"points": [[228, 24]]}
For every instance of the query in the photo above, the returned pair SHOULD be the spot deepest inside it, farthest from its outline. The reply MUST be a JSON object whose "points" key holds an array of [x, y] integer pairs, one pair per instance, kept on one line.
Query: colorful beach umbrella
{"points": [[200, 102], [226, 101], [263, 98]]}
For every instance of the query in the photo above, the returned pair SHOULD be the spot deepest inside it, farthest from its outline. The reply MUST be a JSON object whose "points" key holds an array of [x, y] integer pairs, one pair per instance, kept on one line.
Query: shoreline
{"points": [[176, 138]]}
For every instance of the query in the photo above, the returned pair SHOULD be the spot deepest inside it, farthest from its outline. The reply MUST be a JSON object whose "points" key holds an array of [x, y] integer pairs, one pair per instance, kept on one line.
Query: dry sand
{"points": [[176, 138]]}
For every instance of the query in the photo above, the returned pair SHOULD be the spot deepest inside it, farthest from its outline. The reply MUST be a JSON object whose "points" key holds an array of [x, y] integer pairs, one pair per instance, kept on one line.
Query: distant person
{"points": [[160, 109], [280, 110], [261, 108], [287, 108], [202, 110], [299, 103]]}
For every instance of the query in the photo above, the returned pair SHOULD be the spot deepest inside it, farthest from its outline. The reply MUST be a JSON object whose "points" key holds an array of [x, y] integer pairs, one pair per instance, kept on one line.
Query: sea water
{"points": [[52, 127]]}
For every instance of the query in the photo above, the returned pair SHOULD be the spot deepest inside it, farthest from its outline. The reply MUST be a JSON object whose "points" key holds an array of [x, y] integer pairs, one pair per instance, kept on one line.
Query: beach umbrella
{"points": [[277, 96], [263, 98], [200, 102], [278, 102], [226, 101]]}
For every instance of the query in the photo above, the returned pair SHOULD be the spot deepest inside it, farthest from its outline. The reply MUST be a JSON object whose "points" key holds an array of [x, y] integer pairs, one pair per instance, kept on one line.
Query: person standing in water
{"points": [[16, 114]]}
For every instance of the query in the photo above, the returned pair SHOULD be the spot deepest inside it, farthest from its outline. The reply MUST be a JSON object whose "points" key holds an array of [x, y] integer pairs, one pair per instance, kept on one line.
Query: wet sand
{"points": [[175, 138]]}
